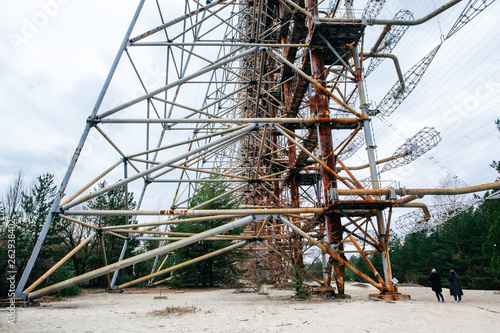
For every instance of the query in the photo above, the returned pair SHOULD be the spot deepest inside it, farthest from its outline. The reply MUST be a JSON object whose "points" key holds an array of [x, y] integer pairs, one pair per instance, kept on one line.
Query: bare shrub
{"points": [[173, 310]]}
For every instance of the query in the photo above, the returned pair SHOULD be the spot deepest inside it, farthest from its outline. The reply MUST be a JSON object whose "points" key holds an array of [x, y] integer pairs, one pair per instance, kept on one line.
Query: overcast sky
{"points": [[55, 55]]}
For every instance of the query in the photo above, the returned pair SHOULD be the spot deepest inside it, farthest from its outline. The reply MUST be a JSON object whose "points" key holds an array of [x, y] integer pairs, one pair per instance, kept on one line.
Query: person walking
{"points": [[436, 285], [455, 287]]}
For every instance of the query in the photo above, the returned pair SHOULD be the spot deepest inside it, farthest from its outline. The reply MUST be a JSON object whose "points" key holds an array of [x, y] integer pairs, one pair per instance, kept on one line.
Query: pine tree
{"points": [[216, 271], [111, 200], [26, 211], [492, 246]]}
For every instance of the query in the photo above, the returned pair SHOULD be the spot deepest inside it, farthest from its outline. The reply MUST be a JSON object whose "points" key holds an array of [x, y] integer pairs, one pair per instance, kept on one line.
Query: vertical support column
{"points": [[122, 255], [297, 251], [319, 106], [291, 151], [277, 189], [297, 255], [105, 259], [370, 148], [126, 218], [273, 112], [326, 269]]}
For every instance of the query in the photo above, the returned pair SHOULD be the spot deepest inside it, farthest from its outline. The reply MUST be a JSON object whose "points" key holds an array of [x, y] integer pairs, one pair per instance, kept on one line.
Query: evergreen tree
{"points": [[25, 213], [215, 271], [111, 200], [491, 247]]}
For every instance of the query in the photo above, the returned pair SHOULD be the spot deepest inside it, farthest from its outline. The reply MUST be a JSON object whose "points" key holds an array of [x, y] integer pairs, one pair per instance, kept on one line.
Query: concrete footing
{"points": [[114, 291], [390, 296], [327, 291]]}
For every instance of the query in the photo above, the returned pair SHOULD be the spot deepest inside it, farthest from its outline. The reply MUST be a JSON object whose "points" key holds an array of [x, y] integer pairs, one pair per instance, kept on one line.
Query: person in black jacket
{"points": [[436, 285], [455, 287]]}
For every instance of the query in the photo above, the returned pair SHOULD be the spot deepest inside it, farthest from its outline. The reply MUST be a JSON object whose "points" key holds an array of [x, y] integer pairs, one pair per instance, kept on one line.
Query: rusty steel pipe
{"points": [[326, 167], [446, 191], [180, 19], [165, 222], [105, 259], [425, 209], [183, 80], [59, 263], [383, 160], [375, 47], [319, 105], [422, 192], [92, 195], [92, 182], [331, 253], [223, 44], [182, 234], [79, 222], [176, 238], [116, 235], [161, 281], [141, 257], [418, 21], [409, 198], [396, 64], [184, 264], [341, 192], [300, 9], [316, 84], [185, 212], [286, 258], [368, 262], [185, 142], [310, 120], [353, 178], [208, 180]]}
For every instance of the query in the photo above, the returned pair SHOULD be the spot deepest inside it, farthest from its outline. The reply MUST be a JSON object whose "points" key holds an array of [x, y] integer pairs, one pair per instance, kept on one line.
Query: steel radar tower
{"points": [[269, 98]]}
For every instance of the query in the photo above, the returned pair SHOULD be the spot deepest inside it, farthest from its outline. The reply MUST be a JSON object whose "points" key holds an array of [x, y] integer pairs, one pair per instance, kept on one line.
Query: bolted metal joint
{"points": [[93, 121]]}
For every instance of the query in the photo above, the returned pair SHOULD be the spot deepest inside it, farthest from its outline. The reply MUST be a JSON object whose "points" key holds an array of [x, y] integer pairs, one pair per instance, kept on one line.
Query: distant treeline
{"points": [[467, 243], [24, 209]]}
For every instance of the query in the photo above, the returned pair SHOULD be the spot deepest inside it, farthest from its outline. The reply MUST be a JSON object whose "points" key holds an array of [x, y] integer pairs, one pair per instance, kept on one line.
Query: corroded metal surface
{"points": [[267, 98]]}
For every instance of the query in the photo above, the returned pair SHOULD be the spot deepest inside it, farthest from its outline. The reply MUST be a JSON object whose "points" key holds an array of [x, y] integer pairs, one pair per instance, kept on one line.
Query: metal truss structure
{"points": [[473, 8], [389, 40], [242, 92], [434, 216], [373, 8], [399, 91], [413, 148]]}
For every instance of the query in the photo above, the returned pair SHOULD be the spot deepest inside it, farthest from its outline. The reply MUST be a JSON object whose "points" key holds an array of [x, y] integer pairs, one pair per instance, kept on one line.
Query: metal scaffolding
{"points": [[254, 94]]}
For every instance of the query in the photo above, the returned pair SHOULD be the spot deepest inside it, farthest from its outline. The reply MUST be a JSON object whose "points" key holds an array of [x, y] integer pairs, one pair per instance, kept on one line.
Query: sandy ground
{"points": [[228, 311]]}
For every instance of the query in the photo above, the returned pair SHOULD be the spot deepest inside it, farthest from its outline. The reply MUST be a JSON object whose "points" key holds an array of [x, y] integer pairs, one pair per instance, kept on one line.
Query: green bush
{"points": [[61, 274]]}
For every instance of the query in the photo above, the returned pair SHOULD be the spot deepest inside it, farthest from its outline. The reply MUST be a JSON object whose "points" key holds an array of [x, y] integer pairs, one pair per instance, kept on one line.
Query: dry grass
{"points": [[173, 310]]}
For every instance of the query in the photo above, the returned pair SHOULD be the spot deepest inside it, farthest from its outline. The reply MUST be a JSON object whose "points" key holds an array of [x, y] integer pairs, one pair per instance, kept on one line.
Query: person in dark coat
{"points": [[436, 285], [455, 287]]}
